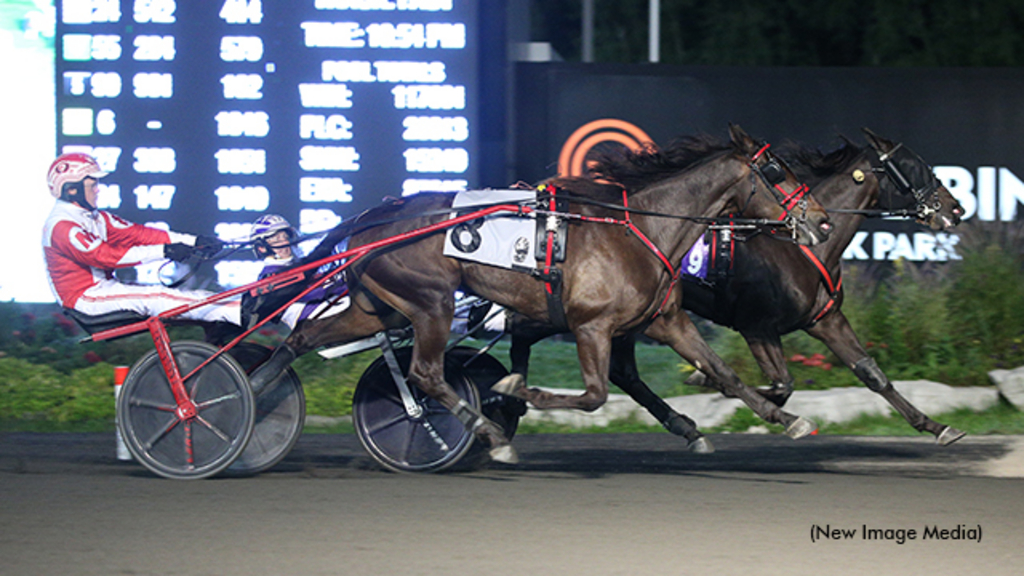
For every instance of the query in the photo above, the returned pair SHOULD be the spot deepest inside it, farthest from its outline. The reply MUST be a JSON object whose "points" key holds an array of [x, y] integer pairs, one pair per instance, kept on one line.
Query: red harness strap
{"points": [[650, 245], [826, 278]]}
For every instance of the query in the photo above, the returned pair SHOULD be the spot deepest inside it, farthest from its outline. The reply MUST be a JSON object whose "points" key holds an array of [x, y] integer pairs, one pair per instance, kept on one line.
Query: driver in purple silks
{"points": [[274, 240]]}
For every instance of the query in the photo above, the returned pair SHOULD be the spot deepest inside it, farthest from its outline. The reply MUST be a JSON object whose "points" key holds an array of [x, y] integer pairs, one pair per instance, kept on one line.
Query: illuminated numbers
{"points": [[156, 197], [322, 127], [105, 84], [233, 273], [417, 185], [107, 157], [106, 122], [312, 221], [82, 47], [242, 86], [237, 198], [325, 96], [441, 97], [156, 11], [241, 161], [91, 11], [153, 48], [406, 36], [453, 160], [235, 123], [154, 160], [343, 158], [153, 85], [232, 231], [324, 190], [108, 196], [241, 49], [435, 128], [410, 72], [242, 11]]}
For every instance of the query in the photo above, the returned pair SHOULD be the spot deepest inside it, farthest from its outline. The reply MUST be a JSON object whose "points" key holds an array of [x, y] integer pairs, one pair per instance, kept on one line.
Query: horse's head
{"points": [[909, 184], [774, 182]]}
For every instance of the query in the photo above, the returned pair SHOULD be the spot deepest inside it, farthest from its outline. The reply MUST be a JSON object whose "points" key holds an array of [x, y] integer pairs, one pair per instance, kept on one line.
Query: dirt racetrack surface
{"points": [[577, 504]]}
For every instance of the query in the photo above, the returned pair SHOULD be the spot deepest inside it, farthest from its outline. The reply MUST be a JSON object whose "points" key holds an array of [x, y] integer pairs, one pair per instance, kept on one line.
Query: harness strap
{"points": [[553, 276], [651, 246], [833, 287]]}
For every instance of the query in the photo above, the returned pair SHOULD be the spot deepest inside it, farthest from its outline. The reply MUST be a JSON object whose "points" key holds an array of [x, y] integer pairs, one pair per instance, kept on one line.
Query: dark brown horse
{"points": [[777, 288], [613, 282]]}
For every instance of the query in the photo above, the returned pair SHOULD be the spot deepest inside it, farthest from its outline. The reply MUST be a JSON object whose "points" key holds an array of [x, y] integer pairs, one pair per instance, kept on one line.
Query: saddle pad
{"points": [[503, 239], [695, 263]]}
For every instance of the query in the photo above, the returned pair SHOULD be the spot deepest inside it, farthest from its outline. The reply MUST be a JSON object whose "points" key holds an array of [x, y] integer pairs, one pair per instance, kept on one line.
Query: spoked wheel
{"points": [[280, 415], [429, 442], [484, 371], [186, 448]]}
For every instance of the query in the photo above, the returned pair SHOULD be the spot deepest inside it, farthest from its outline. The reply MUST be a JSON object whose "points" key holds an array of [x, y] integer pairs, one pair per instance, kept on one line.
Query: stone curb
{"points": [[835, 405]]}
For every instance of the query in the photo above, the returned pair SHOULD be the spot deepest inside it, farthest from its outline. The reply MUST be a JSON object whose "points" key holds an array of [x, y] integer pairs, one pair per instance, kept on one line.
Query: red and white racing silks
{"points": [[82, 248]]}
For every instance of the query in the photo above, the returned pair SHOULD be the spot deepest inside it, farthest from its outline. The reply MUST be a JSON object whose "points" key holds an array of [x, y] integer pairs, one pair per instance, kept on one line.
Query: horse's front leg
{"points": [[679, 332], [625, 375], [593, 348], [426, 371], [835, 331]]}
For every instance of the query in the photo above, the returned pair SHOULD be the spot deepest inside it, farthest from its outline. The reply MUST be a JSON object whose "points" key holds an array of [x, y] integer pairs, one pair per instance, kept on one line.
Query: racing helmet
{"points": [[263, 228], [71, 168]]}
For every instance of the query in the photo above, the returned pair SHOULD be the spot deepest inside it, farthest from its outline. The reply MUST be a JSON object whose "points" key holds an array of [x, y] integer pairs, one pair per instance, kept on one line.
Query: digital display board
{"points": [[210, 114]]}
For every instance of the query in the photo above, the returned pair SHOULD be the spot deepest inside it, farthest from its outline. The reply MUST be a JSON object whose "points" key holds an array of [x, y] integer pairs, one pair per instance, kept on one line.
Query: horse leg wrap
{"points": [[867, 370], [267, 374], [469, 416]]}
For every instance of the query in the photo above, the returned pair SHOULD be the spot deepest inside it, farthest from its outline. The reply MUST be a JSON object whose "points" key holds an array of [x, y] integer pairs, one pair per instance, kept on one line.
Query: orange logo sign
{"points": [[586, 137]]}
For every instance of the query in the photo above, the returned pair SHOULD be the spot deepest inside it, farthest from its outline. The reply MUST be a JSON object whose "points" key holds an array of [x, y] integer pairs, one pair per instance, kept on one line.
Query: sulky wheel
{"points": [[197, 446], [484, 371], [280, 415], [431, 442]]}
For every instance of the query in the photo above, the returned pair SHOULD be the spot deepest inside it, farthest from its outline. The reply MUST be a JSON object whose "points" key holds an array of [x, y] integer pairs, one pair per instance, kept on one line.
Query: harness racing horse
{"points": [[777, 288], [616, 282]]}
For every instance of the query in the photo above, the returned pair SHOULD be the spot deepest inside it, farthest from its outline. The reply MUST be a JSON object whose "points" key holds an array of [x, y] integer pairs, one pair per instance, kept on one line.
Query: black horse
{"points": [[776, 288], [614, 283]]}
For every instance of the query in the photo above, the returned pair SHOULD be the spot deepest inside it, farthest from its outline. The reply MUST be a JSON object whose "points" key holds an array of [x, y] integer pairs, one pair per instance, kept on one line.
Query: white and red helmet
{"points": [[73, 167]]}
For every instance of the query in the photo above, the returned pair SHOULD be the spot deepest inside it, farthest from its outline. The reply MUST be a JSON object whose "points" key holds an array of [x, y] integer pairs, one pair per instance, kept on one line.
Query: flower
{"points": [[92, 357]]}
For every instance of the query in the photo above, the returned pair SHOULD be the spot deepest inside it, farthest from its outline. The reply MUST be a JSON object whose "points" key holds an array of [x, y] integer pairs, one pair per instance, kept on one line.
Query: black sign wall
{"points": [[968, 123]]}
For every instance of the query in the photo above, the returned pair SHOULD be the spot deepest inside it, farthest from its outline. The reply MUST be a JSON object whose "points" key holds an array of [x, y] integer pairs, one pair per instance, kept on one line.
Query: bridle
{"points": [[773, 173], [925, 197]]}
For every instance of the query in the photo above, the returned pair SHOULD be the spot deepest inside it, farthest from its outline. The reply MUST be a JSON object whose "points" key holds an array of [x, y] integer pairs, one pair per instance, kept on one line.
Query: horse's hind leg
{"points": [[835, 331], [679, 332], [624, 374]]}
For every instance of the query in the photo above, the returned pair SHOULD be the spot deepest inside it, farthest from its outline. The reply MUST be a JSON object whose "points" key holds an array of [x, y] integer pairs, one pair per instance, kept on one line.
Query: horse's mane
{"points": [[811, 165], [636, 169]]}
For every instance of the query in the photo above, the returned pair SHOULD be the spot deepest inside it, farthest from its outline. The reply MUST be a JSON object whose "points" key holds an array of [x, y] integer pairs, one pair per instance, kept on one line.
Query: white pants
{"points": [[112, 296]]}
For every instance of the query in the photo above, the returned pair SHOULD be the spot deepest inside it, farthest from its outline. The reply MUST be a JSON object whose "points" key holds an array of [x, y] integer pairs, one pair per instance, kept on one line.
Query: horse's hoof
{"points": [[505, 454], [949, 435], [509, 385], [701, 446], [801, 427]]}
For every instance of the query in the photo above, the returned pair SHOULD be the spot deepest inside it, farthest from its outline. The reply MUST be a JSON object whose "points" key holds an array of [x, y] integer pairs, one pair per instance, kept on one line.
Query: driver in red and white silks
{"points": [[83, 246]]}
